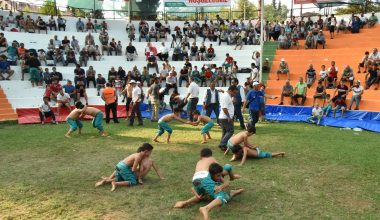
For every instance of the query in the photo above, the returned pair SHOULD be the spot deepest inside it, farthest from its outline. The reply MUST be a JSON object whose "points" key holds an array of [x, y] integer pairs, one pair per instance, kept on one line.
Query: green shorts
{"points": [[263, 154], [230, 145], [74, 124], [162, 127], [35, 75], [206, 186], [207, 127], [97, 121], [125, 173]]}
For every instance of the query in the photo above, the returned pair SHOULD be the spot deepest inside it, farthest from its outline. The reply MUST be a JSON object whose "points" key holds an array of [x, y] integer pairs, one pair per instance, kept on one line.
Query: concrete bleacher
{"points": [[20, 94]]}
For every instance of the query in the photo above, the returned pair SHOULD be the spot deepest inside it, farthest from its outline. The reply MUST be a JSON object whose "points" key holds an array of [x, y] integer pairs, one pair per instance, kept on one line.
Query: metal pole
{"points": [[55, 8], [93, 12], [261, 39], [113, 5], [129, 10], [244, 11], [291, 9]]}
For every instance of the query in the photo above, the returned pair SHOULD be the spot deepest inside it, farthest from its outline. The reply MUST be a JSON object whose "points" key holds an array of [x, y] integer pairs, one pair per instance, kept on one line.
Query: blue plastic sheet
{"points": [[352, 119]]}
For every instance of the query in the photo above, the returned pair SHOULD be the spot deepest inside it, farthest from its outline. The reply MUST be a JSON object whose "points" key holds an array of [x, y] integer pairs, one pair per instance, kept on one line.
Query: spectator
{"points": [[238, 99], [112, 47], [58, 57], [121, 73], [355, 25], [340, 104], [112, 75], [110, 98], [332, 75], [300, 91], [54, 88], [75, 44], [152, 34], [34, 70], [52, 24], [90, 76], [144, 76], [287, 91], [211, 101], [171, 81], [136, 100], [283, 42], [192, 97], [41, 25], [104, 25], [89, 25], [70, 89], [152, 62], [70, 57], [320, 93], [331, 25], [372, 76], [89, 39], [357, 92], [119, 48], [374, 57], [61, 23], [226, 116], [83, 57], [45, 111], [56, 75], [316, 113], [80, 90], [154, 94], [21, 50], [46, 76], [310, 76], [12, 53], [63, 100], [29, 25], [100, 83], [80, 74], [320, 39], [283, 69], [5, 68], [163, 52], [348, 75], [228, 62], [65, 43], [10, 19], [364, 62], [309, 41], [79, 25], [42, 56], [341, 91], [372, 20], [210, 55], [130, 52]]}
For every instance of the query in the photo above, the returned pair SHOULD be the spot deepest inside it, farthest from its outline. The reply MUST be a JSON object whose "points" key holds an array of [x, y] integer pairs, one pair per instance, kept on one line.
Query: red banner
{"points": [[304, 1]]}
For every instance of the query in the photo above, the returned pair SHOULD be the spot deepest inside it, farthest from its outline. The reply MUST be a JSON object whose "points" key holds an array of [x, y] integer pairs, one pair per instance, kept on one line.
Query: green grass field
{"points": [[327, 174]]}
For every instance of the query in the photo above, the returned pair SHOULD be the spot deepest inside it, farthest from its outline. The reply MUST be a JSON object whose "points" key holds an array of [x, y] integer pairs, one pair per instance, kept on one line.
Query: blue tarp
{"points": [[352, 119]]}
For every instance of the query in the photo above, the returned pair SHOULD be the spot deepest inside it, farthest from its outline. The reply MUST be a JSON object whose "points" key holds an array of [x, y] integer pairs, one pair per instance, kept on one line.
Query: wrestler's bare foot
{"points": [[179, 205], [168, 142], [203, 142], [204, 212], [113, 183], [104, 134], [209, 138], [100, 183], [67, 135], [236, 192], [236, 176], [283, 154]]}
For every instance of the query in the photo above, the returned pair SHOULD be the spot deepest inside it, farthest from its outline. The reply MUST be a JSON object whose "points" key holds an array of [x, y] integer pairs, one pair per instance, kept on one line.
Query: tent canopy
{"points": [[334, 3]]}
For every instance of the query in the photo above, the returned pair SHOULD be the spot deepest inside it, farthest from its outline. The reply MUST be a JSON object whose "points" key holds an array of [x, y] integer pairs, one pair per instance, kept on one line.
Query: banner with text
{"points": [[304, 1], [197, 3]]}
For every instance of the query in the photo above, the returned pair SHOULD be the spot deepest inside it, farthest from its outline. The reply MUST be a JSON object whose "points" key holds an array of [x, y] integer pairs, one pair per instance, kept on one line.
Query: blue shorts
{"points": [[74, 124], [162, 127], [125, 173], [97, 121], [263, 154], [207, 127]]}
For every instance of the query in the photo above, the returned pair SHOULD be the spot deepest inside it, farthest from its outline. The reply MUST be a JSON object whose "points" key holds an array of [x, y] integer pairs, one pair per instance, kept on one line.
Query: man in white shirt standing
{"points": [[136, 100], [63, 100], [238, 101], [193, 95], [226, 116]]}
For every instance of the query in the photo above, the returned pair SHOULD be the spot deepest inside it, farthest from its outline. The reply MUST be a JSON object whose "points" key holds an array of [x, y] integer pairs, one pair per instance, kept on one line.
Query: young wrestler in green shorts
{"points": [[208, 124]]}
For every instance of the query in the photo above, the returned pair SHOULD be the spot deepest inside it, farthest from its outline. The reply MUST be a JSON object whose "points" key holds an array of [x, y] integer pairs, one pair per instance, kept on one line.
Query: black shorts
{"points": [[332, 28]]}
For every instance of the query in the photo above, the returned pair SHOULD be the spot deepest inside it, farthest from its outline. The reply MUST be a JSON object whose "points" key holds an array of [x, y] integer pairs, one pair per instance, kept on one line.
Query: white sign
{"points": [[197, 3]]}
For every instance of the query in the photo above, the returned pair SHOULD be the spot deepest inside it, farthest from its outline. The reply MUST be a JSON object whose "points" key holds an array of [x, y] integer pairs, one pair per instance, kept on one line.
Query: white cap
{"points": [[282, 59], [358, 81], [132, 81], [138, 82], [255, 83]]}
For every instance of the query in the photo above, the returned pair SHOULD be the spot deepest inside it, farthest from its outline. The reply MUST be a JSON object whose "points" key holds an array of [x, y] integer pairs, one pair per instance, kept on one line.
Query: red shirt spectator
{"points": [[210, 50], [229, 60], [55, 87]]}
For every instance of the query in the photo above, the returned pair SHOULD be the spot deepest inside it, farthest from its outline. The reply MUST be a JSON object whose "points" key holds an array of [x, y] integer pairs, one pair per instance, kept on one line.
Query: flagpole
{"points": [[262, 38]]}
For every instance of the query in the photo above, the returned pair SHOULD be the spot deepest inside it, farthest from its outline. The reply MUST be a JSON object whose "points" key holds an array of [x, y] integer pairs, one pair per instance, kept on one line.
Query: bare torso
{"points": [[91, 111], [204, 164], [74, 114]]}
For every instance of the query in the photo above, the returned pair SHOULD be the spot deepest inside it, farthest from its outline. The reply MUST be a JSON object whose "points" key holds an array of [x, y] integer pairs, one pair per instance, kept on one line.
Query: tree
{"points": [[146, 9], [47, 8], [250, 9], [279, 8], [274, 4], [368, 6], [271, 14]]}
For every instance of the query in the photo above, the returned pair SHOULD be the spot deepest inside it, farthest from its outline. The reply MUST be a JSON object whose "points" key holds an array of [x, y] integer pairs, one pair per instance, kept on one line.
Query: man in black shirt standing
{"points": [[130, 52]]}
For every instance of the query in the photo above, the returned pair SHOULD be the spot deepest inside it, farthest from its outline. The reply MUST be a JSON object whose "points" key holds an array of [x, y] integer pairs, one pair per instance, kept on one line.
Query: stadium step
{"points": [[6, 111]]}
